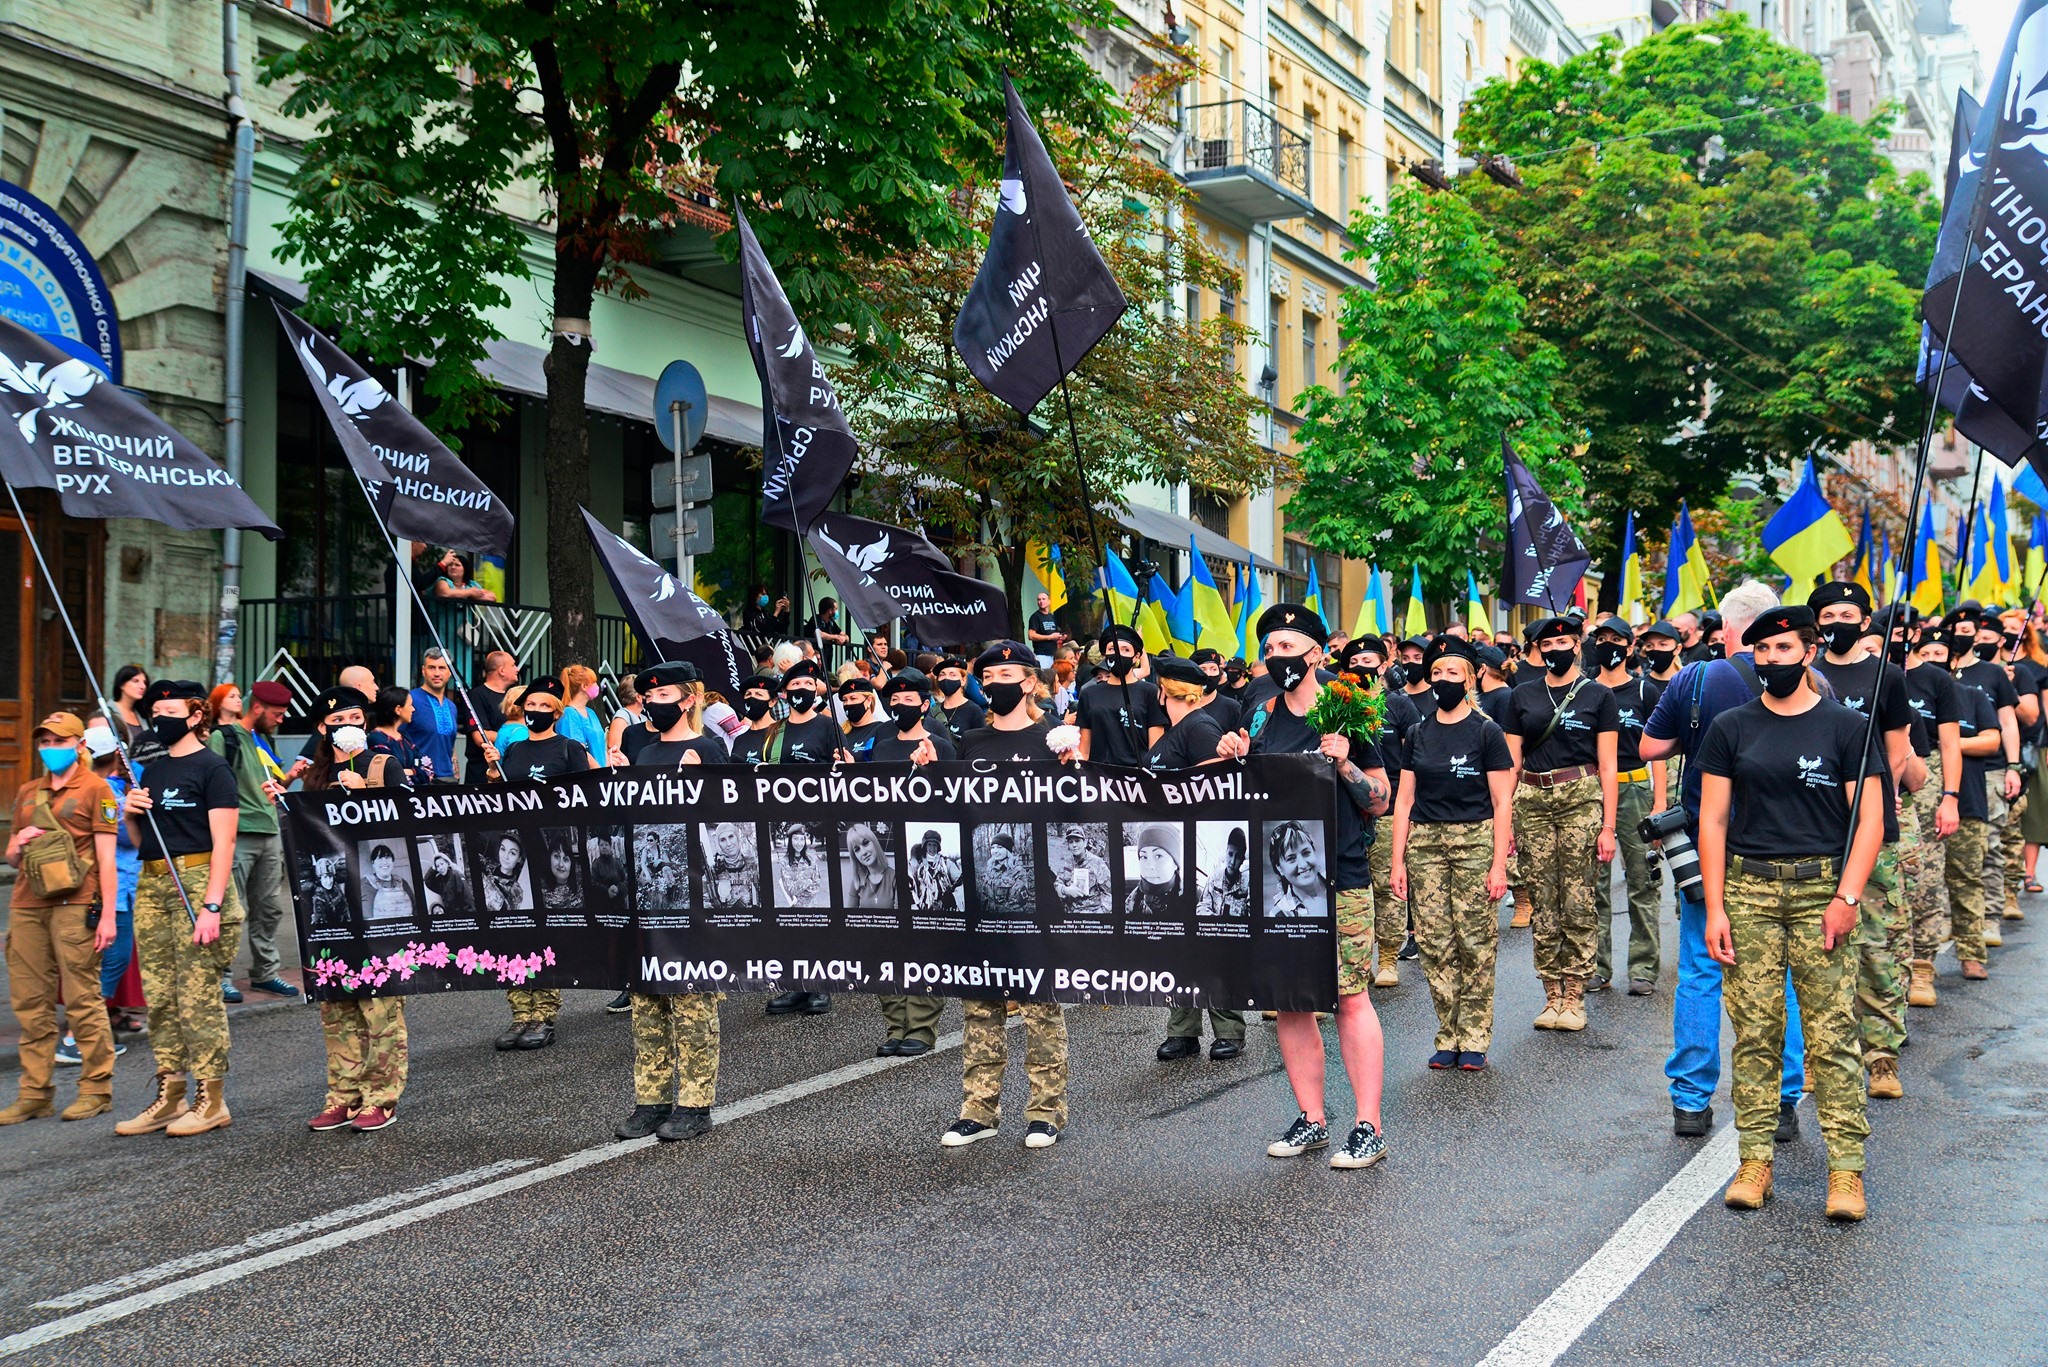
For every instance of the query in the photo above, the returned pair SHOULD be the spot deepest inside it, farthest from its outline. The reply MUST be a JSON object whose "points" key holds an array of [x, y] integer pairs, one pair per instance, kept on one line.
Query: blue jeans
{"points": [[114, 960], [1695, 1064]]}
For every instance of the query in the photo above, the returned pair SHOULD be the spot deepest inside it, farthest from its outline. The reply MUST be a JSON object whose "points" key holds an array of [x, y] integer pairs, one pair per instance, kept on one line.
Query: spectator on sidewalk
{"points": [[432, 728], [501, 674]]}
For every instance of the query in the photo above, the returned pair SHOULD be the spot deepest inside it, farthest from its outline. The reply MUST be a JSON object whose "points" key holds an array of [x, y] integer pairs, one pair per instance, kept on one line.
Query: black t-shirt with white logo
{"points": [[1283, 733], [1977, 716], [1449, 762], [1790, 778], [2028, 679], [1936, 699], [1989, 675], [1633, 703], [962, 719], [1190, 741], [986, 742], [893, 748], [548, 758], [815, 740], [1117, 729], [668, 754], [1856, 688], [1575, 742], [748, 745], [185, 789], [1048, 624]]}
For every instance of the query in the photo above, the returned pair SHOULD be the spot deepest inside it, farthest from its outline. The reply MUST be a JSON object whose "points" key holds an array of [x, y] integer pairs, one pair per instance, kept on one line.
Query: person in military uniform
{"points": [[1978, 744], [1976, 662], [675, 1035], [1640, 793], [1453, 819], [1365, 660], [1562, 730], [1778, 803], [368, 1047], [189, 796], [1934, 808]]}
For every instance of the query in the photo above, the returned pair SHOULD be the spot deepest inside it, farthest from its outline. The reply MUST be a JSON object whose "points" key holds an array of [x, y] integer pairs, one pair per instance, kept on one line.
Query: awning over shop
{"points": [[516, 366], [1171, 529]]}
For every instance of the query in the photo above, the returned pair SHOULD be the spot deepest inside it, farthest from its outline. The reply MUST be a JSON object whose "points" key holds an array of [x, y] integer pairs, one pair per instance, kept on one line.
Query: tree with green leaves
{"points": [[1728, 269], [1402, 463], [851, 123]]}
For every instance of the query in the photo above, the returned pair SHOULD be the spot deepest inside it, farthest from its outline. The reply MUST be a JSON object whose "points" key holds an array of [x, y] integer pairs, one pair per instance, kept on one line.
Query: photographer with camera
{"points": [[1699, 694]]}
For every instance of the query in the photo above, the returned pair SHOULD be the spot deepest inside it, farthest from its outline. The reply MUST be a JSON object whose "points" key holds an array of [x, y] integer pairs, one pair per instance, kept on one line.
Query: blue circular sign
{"points": [[50, 284], [680, 380]]}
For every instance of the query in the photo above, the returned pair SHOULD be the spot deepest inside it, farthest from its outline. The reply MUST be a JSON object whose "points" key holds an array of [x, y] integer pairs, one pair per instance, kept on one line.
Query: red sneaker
{"points": [[333, 1118], [373, 1118]]}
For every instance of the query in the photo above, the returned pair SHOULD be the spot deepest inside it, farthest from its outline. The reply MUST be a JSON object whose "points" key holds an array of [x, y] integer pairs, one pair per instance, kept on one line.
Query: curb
{"points": [[10, 1053]]}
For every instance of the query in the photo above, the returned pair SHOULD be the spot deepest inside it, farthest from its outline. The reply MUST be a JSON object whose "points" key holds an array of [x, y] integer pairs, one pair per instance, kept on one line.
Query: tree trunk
{"points": [[1010, 564], [573, 633]]}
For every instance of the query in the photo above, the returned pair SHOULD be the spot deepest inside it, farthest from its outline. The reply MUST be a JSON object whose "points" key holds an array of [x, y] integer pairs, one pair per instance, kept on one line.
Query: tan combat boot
{"points": [[168, 1106], [1553, 996], [1389, 974], [1751, 1187], [1571, 1007], [88, 1105], [1975, 971], [27, 1108], [1921, 992], [1884, 1079], [1992, 939], [2012, 912], [1521, 916], [1845, 1196], [210, 1114]]}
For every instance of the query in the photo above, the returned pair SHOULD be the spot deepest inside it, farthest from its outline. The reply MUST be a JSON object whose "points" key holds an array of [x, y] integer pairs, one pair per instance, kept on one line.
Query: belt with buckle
{"points": [[183, 861], [1558, 777], [1801, 871], [1641, 775]]}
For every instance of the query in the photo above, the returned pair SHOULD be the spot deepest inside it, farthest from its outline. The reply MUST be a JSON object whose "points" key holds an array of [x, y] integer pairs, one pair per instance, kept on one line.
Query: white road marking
{"points": [[284, 1234], [1554, 1326], [43, 1334]]}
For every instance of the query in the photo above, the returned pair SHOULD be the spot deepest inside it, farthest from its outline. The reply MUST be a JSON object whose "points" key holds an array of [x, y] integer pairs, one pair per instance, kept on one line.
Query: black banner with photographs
{"points": [[1039, 881]]}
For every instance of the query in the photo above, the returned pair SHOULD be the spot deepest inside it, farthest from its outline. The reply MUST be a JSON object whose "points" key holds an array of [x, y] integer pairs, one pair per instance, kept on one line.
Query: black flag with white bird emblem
{"points": [[670, 620], [1546, 559], [65, 426], [806, 445], [885, 572], [1043, 296], [424, 492]]}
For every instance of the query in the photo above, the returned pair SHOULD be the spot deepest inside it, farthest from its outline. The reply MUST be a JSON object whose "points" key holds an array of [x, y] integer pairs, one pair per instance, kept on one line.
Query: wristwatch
{"points": [[1846, 900], [212, 908], [1950, 792]]}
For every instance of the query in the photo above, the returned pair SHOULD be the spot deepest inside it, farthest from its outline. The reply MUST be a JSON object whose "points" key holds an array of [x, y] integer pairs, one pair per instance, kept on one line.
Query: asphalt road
{"points": [[823, 1222]]}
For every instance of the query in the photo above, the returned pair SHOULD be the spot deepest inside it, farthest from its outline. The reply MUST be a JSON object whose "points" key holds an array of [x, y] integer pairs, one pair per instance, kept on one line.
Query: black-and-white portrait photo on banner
{"points": [[1297, 872], [797, 855], [1002, 870], [1077, 852], [326, 877], [732, 866], [868, 865], [386, 874], [444, 874], [506, 880], [661, 868], [1223, 868], [937, 880], [604, 855], [1155, 870]]}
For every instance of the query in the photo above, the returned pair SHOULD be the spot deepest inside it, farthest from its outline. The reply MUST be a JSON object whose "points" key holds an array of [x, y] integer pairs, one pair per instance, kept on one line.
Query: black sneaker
{"points": [[1409, 950], [641, 1123], [1642, 987], [510, 1038], [684, 1122], [620, 1005], [1041, 1134], [1788, 1121], [1597, 983], [965, 1132], [1303, 1135], [1365, 1147], [1691, 1124]]}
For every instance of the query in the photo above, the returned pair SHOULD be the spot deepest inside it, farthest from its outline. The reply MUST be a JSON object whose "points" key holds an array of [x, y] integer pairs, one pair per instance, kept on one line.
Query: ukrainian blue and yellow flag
{"points": [[1805, 536], [1418, 615], [1312, 596], [1115, 576], [1924, 592], [1045, 563], [1248, 614], [2037, 556], [1982, 583], [1371, 620], [1863, 573], [1631, 575], [1213, 627], [1154, 618], [1685, 569], [1477, 620], [2001, 539]]}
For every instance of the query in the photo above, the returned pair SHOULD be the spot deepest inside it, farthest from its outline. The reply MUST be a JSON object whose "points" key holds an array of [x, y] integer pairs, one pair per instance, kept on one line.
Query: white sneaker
{"points": [[1041, 1135]]}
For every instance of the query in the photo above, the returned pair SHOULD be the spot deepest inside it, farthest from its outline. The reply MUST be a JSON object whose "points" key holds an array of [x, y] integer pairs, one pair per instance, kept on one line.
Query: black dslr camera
{"points": [[1666, 831]]}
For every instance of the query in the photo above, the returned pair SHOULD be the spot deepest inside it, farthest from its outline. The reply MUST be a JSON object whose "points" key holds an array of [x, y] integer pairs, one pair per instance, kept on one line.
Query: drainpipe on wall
{"points": [[237, 288]]}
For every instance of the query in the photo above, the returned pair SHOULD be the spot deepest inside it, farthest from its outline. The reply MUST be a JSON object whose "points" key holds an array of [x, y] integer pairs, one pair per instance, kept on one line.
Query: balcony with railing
{"points": [[1246, 165]]}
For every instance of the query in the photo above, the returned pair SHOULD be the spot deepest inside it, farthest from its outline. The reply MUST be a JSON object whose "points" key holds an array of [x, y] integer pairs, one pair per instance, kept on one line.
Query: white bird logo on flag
{"points": [[795, 346], [665, 589], [61, 386], [1012, 192], [866, 559], [355, 397]]}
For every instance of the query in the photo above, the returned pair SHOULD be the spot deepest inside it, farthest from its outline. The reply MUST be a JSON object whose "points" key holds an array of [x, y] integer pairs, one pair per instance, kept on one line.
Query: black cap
{"points": [[1419, 642], [1663, 629], [1778, 621], [1292, 617], [760, 681], [1615, 625], [1839, 591], [1493, 657], [802, 669], [1553, 626], [666, 672], [1006, 653], [546, 686], [178, 690], [1450, 645], [339, 698], [1173, 667]]}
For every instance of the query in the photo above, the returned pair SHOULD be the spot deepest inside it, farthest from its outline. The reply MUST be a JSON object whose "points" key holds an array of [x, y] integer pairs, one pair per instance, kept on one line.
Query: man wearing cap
{"points": [[1639, 793], [1562, 731], [259, 849], [183, 815], [61, 915], [1120, 717]]}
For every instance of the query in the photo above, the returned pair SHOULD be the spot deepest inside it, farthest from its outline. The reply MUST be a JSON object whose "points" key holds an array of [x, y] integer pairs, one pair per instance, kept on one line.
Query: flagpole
{"points": [[1976, 483], [106, 708]]}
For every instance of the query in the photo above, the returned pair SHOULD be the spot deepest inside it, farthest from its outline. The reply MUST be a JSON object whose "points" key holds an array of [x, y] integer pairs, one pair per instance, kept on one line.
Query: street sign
{"points": [[680, 380], [696, 476], [696, 533]]}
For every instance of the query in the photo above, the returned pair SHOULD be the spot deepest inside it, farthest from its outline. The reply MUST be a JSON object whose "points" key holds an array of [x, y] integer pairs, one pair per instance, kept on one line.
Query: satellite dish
{"points": [[680, 380]]}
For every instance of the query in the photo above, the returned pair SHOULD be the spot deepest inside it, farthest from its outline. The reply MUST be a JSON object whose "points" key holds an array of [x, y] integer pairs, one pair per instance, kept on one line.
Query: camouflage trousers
{"points": [[1964, 874], [1390, 918], [1457, 928], [1777, 925], [50, 958], [367, 1051], [1354, 940], [2004, 856], [912, 1017], [675, 1048], [535, 1003], [1645, 889], [985, 1053], [188, 1022], [1883, 951], [1923, 865], [1557, 831], [2015, 846]]}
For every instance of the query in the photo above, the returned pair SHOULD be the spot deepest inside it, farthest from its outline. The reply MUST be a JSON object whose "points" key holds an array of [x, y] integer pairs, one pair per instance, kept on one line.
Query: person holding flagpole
{"points": [[1640, 794]]}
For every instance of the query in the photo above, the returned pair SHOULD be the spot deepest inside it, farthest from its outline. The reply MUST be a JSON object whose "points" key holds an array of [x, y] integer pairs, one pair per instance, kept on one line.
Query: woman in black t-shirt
{"points": [[1776, 816], [1453, 819]]}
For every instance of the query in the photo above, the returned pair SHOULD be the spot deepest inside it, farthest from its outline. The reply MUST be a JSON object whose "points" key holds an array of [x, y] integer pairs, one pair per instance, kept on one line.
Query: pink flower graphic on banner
{"points": [[377, 970]]}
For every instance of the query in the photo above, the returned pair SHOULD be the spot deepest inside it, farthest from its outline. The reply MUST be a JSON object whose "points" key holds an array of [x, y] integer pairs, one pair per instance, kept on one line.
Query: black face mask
{"points": [[1841, 637], [802, 700], [664, 714], [1287, 670], [1606, 654], [169, 730], [1560, 660], [1003, 697], [948, 687], [1449, 693], [1121, 665], [753, 709], [907, 714], [1896, 652], [1781, 681], [1658, 661], [856, 708], [538, 722], [1717, 651], [1988, 650]]}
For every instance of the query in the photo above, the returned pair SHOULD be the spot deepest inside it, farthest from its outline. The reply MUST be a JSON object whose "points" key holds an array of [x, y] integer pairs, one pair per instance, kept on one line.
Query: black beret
{"points": [[666, 672], [908, 681], [1292, 617], [760, 681], [1206, 656], [1450, 645], [339, 698], [177, 690], [1663, 629], [802, 669], [1839, 591], [546, 686], [1493, 657], [1376, 644], [1006, 653], [857, 683], [1777, 622], [1179, 671], [955, 662], [1945, 639], [1117, 631], [1553, 626]]}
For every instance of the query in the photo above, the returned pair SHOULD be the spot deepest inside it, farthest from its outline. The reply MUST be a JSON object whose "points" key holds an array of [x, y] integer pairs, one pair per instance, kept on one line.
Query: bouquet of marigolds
{"points": [[1348, 708]]}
